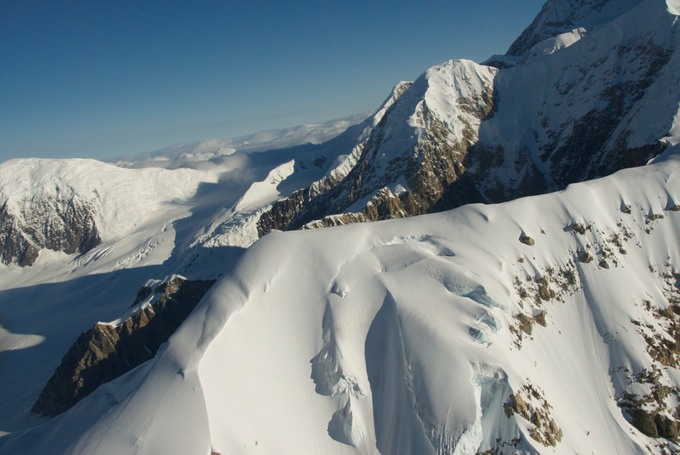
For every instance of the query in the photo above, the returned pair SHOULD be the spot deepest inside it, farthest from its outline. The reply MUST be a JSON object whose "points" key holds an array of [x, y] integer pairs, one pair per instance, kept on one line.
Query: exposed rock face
{"points": [[57, 224], [466, 133], [107, 351], [535, 409], [285, 211], [411, 158]]}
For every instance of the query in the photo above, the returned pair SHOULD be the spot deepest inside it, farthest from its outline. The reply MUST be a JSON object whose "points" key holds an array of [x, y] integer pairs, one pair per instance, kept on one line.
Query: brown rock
{"points": [[106, 352]]}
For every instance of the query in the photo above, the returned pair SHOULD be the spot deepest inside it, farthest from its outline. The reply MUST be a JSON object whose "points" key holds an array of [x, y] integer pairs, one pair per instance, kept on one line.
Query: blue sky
{"points": [[106, 78]]}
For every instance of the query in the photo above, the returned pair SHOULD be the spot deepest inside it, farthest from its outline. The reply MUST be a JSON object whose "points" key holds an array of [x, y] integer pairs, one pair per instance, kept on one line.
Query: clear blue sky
{"points": [[106, 78]]}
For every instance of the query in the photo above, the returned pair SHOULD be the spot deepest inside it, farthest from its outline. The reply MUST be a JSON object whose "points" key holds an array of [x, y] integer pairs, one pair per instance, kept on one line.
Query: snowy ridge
{"points": [[361, 364], [237, 226], [76, 205], [265, 191], [554, 44], [124, 199]]}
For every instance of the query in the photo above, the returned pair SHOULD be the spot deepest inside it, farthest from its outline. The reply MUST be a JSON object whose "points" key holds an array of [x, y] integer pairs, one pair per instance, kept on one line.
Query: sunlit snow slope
{"points": [[78, 238], [539, 325]]}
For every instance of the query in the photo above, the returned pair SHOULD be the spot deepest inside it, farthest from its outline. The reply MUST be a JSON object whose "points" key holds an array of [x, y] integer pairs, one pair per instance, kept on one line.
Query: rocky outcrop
{"points": [[466, 133], [107, 351], [66, 225], [410, 160], [582, 126]]}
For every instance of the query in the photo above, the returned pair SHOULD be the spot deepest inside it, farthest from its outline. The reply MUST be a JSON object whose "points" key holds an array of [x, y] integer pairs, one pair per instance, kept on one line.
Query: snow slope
{"points": [[152, 222], [561, 16], [488, 327]]}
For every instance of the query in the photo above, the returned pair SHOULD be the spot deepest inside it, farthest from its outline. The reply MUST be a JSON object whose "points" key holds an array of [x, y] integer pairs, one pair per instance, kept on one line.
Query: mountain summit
{"points": [[561, 109]]}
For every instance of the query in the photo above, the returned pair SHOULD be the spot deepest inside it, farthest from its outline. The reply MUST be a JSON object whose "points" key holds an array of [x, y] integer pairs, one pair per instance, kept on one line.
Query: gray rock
{"points": [[66, 225]]}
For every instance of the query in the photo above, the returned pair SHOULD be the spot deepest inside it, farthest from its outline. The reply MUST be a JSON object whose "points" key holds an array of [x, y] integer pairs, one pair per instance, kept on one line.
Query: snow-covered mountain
{"points": [[581, 106], [547, 324], [150, 223], [541, 325], [76, 205]]}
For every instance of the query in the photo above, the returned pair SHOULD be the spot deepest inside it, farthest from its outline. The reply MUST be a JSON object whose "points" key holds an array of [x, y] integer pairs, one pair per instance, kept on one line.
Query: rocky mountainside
{"points": [[108, 351], [573, 110], [56, 223]]}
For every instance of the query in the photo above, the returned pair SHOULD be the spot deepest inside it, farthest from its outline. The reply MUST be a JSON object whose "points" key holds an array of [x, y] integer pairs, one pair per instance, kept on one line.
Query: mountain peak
{"points": [[562, 16]]}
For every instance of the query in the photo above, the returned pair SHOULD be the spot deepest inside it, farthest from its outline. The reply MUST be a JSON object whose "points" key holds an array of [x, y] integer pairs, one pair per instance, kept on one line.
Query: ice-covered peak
{"points": [[453, 96], [562, 16], [445, 93], [454, 84]]}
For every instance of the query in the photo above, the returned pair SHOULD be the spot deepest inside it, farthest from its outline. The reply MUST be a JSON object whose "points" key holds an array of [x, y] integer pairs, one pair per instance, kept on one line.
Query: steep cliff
{"points": [[108, 351]]}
